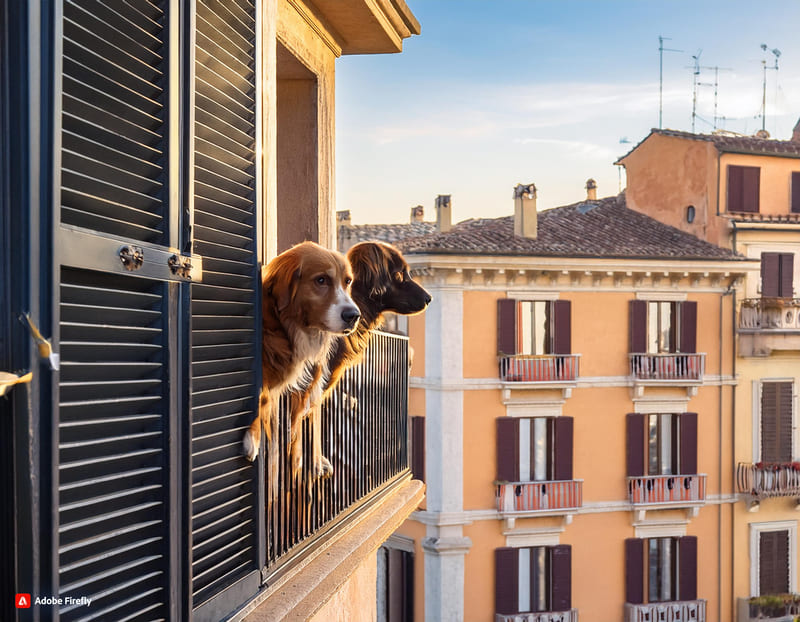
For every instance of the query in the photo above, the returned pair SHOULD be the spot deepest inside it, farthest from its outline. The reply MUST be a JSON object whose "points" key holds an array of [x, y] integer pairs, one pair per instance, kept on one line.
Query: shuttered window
{"points": [[773, 562], [777, 275], [660, 569], [743, 188], [534, 449], [534, 327], [776, 421], [418, 448], [661, 444], [533, 579], [395, 585], [662, 327], [795, 192]]}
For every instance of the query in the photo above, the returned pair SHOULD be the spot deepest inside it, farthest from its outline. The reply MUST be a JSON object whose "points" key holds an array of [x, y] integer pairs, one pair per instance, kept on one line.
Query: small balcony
{"points": [[764, 480], [768, 608], [527, 499], [767, 324], [667, 490], [539, 616], [672, 368], [673, 611], [545, 368]]}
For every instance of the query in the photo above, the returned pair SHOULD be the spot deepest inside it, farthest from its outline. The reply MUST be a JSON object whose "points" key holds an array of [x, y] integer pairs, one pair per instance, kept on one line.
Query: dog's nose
{"points": [[428, 298], [350, 316]]}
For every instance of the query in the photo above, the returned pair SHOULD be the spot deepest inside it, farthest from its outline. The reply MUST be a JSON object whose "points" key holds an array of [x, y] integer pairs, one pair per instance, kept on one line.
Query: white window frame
{"points": [[756, 529], [756, 410]]}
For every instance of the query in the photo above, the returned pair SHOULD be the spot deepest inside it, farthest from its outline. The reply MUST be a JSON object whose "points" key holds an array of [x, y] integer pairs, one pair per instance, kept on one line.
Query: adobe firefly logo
{"points": [[23, 601]]}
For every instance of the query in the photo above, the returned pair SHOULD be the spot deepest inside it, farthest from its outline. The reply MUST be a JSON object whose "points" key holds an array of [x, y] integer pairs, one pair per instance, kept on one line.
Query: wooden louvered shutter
{"points": [[786, 289], [561, 577], [687, 571], [638, 326], [688, 327], [418, 448], [562, 327], [776, 421], [507, 449], [688, 443], [225, 357], [635, 434], [562, 448], [743, 188], [770, 275], [506, 580], [795, 201], [773, 562], [634, 570], [507, 326]]}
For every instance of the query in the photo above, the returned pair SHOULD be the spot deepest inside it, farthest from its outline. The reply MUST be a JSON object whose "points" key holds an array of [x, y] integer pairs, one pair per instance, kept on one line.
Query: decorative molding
{"points": [[663, 296], [657, 405], [582, 382], [660, 529], [401, 543], [446, 546], [532, 294], [543, 536]]}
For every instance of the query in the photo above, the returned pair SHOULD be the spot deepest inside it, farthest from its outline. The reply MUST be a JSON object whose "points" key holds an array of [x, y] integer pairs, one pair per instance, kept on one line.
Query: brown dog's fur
{"points": [[305, 304]]}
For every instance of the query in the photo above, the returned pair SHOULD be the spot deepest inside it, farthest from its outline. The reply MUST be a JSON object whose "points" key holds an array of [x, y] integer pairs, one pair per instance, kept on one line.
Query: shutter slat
{"points": [[562, 328], [561, 577], [795, 200], [507, 449], [507, 326], [506, 580], [688, 443], [563, 452], [786, 275], [688, 326]]}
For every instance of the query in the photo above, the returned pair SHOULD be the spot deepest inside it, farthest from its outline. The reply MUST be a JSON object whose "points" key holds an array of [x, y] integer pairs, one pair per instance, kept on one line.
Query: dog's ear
{"points": [[281, 278], [370, 264]]}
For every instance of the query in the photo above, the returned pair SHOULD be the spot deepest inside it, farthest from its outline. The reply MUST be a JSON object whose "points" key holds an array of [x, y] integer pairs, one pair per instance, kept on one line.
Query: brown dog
{"points": [[305, 304], [381, 283]]}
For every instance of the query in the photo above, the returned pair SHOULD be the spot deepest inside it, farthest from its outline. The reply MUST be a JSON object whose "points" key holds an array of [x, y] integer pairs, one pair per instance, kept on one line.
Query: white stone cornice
{"points": [[446, 546], [492, 384]]}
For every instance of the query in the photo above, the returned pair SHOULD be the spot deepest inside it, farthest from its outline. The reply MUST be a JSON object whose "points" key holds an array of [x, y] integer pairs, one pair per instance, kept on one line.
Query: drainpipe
{"points": [[728, 292]]}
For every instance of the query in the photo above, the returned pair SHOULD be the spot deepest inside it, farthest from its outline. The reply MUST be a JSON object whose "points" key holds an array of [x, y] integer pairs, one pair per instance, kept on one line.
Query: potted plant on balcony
{"points": [[774, 606]]}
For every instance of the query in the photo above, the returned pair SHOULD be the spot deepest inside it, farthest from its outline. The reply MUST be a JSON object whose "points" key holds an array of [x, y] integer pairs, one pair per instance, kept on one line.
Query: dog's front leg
{"points": [[252, 436], [322, 466], [299, 407]]}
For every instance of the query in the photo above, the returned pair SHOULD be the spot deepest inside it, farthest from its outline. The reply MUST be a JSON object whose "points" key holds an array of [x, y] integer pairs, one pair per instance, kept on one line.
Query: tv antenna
{"points": [[696, 82], [661, 50], [777, 54]]}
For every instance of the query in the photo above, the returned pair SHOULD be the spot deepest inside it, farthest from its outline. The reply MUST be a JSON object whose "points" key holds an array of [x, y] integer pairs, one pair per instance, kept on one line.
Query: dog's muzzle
{"points": [[350, 317]]}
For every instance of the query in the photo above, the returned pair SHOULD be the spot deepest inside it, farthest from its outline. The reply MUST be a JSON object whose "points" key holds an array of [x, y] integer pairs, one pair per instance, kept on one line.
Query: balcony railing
{"points": [[541, 616], [539, 368], [779, 314], [765, 480], [673, 366], [364, 435], [768, 608], [539, 496], [665, 489], [674, 611]]}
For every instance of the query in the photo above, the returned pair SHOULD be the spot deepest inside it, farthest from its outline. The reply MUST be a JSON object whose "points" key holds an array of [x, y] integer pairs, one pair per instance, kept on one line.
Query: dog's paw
{"points": [[249, 449], [297, 461], [322, 468]]}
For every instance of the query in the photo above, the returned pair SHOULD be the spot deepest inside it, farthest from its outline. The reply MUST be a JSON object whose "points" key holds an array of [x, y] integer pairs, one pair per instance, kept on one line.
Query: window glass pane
{"points": [[660, 574], [525, 450], [539, 600], [525, 579], [526, 327], [652, 327], [665, 445], [540, 449], [541, 327], [665, 327], [652, 445]]}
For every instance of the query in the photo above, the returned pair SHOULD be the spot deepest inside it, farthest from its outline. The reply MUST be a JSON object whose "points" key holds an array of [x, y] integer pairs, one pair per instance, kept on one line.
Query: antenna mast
{"points": [[661, 50], [777, 54]]}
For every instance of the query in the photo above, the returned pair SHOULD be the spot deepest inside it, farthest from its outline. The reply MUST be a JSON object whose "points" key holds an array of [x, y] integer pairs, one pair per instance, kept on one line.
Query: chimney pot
{"points": [[417, 214], [444, 216], [591, 190], [343, 218], [525, 217]]}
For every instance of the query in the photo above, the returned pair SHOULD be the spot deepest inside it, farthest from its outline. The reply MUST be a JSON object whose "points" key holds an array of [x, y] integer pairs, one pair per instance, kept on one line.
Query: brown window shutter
{"points": [[735, 186], [786, 272], [743, 188], [773, 562], [507, 449], [784, 402], [562, 448], [506, 581], [634, 571], [770, 271], [688, 443], [418, 448], [688, 326], [507, 326], [561, 577], [395, 586], [796, 192], [638, 326], [562, 327], [687, 572], [635, 444], [776, 421]]}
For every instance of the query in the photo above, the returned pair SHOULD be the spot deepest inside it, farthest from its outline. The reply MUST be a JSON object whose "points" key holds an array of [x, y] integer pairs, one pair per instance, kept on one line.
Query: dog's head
{"points": [[311, 286], [380, 276]]}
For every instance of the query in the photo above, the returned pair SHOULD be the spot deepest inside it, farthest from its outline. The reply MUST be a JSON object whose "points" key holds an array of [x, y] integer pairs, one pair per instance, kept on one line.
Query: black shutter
{"points": [[225, 357], [634, 571], [688, 443], [398, 607], [688, 327], [638, 326], [743, 188], [562, 328], [770, 271], [795, 202], [561, 577], [687, 571], [507, 326], [507, 449], [773, 562], [776, 421], [418, 448], [506, 580], [562, 448], [786, 289], [635, 429]]}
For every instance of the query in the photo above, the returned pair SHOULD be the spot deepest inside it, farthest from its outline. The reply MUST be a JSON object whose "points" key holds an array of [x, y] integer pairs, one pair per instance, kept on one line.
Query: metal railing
{"points": [[539, 496], [674, 611], [540, 616], [673, 366], [539, 368], [765, 480], [364, 435], [769, 314], [657, 489]]}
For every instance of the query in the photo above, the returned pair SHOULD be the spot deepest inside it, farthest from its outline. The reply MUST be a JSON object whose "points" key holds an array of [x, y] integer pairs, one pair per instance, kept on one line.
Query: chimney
{"points": [[444, 217], [343, 219], [417, 214], [796, 132], [525, 210], [591, 190]]}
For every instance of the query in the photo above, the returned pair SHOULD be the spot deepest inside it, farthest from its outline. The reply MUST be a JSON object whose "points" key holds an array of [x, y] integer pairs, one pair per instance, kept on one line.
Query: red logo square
{"points": [[23, 601]]}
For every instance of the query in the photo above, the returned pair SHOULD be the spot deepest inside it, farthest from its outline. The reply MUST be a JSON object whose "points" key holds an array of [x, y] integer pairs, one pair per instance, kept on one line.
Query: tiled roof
{"points": [[352, 234], [734, 144], [603, 228]]}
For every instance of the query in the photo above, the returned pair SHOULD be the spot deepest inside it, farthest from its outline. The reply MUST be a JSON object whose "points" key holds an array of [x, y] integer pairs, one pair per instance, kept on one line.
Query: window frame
{"points": [[743, 189], [755, 531], [757, 393]]}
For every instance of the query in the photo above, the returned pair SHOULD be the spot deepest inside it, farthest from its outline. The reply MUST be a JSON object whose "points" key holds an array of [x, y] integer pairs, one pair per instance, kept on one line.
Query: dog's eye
{"points": [[347, 280], [321, 280]]}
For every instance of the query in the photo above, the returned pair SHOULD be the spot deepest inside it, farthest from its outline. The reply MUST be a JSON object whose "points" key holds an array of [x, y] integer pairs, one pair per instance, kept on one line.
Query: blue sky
{"points": [[499, 92]]}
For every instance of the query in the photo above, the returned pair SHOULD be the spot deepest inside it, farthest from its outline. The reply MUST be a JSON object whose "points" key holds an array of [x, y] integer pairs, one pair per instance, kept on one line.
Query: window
{"points": [[533, 327], [773, 562], [660, 569], [395, 585], [418, 448], [743, 188], [776, 421], [533, 579], [795, 201], [659, 327], [534, 449], [662, 444], [777, 275]]}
